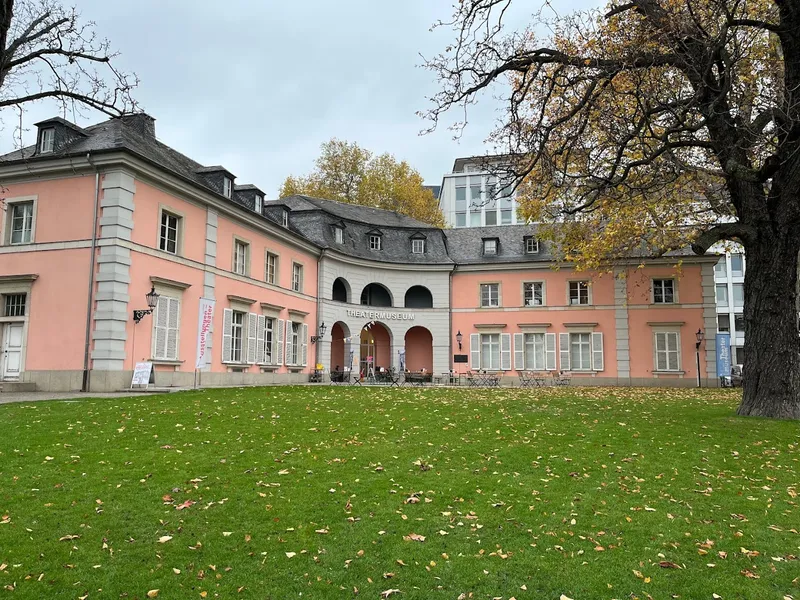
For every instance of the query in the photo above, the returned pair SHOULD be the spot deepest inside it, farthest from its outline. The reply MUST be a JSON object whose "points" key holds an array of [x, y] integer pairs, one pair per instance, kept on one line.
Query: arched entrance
{"points": [[419, 350], [376, 348], [340, 347]]}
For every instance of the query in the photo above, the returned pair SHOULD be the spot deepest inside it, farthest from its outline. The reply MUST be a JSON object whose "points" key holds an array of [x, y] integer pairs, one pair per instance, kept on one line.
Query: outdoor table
{"points": [[340, 377]]}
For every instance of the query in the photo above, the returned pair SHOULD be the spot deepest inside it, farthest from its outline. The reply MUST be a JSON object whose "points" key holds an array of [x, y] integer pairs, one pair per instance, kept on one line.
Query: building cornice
{"points": [[333, 254]]}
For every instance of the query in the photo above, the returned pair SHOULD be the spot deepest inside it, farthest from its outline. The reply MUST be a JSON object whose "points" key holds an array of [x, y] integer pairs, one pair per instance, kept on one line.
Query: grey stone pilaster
{"points": [[709, 319], [113, 274], [209, 279], [622, 331]]}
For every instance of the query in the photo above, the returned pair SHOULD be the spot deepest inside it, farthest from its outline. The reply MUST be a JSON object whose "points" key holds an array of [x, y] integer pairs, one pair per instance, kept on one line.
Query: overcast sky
{"points": [[258, 85]]}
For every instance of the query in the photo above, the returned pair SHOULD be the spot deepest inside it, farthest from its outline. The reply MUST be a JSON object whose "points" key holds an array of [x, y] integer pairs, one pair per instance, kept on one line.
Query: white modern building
{"points": [[729, 282], [471, 196]]}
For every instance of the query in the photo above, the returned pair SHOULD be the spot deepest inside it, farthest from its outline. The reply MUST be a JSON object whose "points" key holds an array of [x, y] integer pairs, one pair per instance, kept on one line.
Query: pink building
{"points": [[93, 219]]}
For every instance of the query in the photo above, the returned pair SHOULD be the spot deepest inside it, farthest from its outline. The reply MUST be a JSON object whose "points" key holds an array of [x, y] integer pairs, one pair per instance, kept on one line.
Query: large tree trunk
{"points": [[772, 342]]}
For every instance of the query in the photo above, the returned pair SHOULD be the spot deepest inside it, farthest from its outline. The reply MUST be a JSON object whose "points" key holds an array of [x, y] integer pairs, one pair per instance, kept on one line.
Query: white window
{"points": [[168, 236], [374, 242], [578, 292], [166, 328], [663, 291], [531, 245], [418, 246], [461, 192], [667, 344], [338, 234], [533, 293], [475, 217], [259, 203], [723, 323], [227, 187], [295, 343], [491, 217], [285, 218], [297, 277], [722, 267], [490, 246], [271, 269], [15, 305], [21, 227], [506, 217], [237, 336], [535, 351], [722, 294], [269, 339], [737, 265], [738, 295], [580, 351], [240, 256], [490, 351], [461, 219], [490, 295], [46, 140]]}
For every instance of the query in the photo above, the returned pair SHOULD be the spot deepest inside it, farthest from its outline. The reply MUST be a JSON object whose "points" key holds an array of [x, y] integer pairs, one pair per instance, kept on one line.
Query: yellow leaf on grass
{"points": [[164, 539], [152, 593]]}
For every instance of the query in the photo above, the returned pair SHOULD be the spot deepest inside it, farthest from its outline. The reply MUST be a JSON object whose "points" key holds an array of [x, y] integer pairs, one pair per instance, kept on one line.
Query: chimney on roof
{"points": [[141, 122]]}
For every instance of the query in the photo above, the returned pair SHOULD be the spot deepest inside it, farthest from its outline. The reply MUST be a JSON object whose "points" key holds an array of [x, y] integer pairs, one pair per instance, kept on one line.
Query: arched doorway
{"points": [[341, 290], [376, 295], [418, 296], [419, 350], [376, 348], [340, 347]]}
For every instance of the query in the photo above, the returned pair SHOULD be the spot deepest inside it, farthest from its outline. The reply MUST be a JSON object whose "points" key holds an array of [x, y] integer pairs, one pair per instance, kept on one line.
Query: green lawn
{"points": [[317, 492]]}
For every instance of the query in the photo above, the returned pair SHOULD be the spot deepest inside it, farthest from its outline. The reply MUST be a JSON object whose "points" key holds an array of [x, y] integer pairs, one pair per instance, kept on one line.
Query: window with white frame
{"points": [[663, 291], [21, 223], [531, 245], [667, 350], [237, 336], [723, 323], [296, 347], [269, 339], [580, 351], [490, 247], [166, 328], [271, 268], [338, 234], [475, 217], [491, 217], [722, 266], [578, 292], [418, 246], [738, 295], [535, 353], [374, 242], [490, 351], [737, 264], [722, 294], [738, 322], [490, 295], [506, 216], [15, 305], [297, 277], [169, 232], [259, 203], [461, 219], [47, 140], [533, 293], [241, 251], [285, 218], [227, 187]]}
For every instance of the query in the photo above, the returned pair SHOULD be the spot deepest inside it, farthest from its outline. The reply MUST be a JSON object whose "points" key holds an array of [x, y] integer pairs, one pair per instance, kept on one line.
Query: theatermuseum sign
{"points": [[380, 315]]}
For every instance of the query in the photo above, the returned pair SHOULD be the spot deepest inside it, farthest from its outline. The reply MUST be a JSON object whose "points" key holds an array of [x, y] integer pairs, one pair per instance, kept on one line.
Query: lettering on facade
{"points": [[380, 315]]}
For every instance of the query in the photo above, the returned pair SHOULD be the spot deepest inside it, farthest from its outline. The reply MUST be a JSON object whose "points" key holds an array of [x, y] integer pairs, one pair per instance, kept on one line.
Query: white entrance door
{"points": [[11, 359]]}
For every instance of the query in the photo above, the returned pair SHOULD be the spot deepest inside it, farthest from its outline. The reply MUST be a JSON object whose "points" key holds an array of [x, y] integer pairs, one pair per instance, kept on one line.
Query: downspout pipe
{"points": [[90, 300], [319, 306]]}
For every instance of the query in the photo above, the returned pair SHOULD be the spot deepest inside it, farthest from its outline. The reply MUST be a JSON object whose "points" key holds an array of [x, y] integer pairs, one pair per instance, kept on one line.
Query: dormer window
{"points": [[531, 245], [490, 247], [338, 235], [285, 218], [259, 203], [374, 242], [418, 246], [47, 140], [227, 187]]}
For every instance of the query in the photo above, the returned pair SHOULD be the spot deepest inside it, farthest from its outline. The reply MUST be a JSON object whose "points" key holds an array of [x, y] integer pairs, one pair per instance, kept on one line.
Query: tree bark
{"points": [[772, 342]]}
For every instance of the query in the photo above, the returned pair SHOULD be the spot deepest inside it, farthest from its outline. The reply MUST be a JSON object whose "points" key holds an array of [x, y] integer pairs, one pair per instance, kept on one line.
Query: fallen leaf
{"points": [[164, 539], [321, 531], [564, 597], [291, 554], [665, 564], [183, 505], [387, 593], [68, 538], [414, 537], [749, 574], [152, 593]]}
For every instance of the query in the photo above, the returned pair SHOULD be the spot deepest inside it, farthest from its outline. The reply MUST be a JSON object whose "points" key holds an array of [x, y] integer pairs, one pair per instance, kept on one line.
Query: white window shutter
{"points": [[227, 328], [252, 334], [160, 322], [289, 343], [519, 352], [278, 337], [261, 324], [304, 342], [563, 344], [597, 352], [505, 351], [475, 350], [550, 351], [173, 327]]}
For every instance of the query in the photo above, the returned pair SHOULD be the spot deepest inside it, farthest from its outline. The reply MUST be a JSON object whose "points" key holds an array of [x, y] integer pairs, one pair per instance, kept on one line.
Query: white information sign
{"points": [[141, 373]]}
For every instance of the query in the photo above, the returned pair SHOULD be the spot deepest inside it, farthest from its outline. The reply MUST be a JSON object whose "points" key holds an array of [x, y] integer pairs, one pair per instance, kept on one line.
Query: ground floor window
{"points": [[667, 345], [295, 358], [269, 337], [580, 351], [237, 336], [534, 351], [490, 351]]}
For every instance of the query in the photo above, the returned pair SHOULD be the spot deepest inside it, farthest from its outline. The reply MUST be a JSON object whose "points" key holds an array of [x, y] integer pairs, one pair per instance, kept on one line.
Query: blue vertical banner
{"points": [[723, 355]]}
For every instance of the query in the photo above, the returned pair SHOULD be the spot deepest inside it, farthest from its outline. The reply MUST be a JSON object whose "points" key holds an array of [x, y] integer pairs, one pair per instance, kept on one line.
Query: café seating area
{"points": [[477, 379]]}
